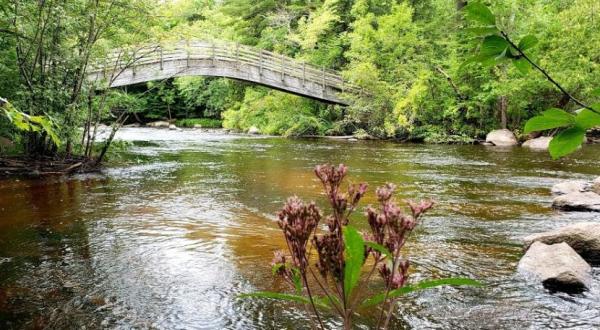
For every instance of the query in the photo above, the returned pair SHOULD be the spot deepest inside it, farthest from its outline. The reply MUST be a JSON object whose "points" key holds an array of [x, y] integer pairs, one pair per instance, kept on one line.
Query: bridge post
{"points": [[161, 59], [282, 68], [104, 68], [323, 70], [214, 54], [237, 55], [187, 50], [303, 74], [260, 67], [133, 63]]}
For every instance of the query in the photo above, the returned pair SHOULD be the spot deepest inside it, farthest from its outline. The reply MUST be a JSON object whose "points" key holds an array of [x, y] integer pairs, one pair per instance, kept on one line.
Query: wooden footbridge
{"points": [[220, 59]]}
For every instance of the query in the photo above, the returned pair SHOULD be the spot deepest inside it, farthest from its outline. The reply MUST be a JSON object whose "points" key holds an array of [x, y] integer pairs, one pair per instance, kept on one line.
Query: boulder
{"points": [[132, 125], [578, 201], [172, 127], [596, 185], [253, 130], [540, 143], [6, 143], [583, 237], [557, 266], [164, 124], [197, 126], [567, 187], [502, 138]]}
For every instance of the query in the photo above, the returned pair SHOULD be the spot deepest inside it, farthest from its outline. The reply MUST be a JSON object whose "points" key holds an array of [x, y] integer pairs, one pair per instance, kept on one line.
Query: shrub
{"points": [[204, 122]]}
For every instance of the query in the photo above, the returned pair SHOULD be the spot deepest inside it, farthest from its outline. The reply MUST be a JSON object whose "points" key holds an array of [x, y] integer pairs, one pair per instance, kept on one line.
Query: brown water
{"points": [[168, 240]]}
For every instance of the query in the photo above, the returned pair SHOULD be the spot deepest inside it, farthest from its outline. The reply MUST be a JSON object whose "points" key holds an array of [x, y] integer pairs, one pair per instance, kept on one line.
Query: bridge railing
{"points": [[234, 53]]}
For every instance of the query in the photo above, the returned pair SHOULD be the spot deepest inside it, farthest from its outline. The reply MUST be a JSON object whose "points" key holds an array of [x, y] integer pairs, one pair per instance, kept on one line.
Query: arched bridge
{"points": [[221, 59]]}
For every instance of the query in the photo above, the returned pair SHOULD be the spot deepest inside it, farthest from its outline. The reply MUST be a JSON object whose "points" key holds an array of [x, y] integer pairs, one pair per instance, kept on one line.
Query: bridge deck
{"points": [[221, 59]]}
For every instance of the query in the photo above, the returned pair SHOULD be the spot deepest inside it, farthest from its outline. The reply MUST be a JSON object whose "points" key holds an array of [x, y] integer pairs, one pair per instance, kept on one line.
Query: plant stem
{"points": [[562, 89], [312, 303]]}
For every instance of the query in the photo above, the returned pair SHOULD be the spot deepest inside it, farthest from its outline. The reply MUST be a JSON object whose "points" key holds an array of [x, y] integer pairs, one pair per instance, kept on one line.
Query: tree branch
{"points": [[564, 91]]}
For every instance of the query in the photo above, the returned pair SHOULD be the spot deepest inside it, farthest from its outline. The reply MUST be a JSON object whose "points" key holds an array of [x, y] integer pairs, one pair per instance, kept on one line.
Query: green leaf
{"points": [[354, 250], [276, 268], [457, 281], [549, 119], [493, 46], [587, 119], [482, 31], [528, 42], [522, 65], [286, 297], [596, 92], [480, 13], [566, 142], [379, 248], [297, 280]]}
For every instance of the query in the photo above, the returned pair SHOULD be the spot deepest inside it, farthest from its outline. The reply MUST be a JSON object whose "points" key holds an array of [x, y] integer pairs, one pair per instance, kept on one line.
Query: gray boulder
{"points": [[164, 124], [583, 237], [253, 130], [540, 143], [596, 185], [502, 138], [557, 266], [571, 186], [578, 201]]}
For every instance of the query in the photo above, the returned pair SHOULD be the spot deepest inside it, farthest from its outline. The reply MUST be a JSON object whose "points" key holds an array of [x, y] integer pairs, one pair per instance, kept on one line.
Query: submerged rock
{"points": [[253, 130], [557, 266], [540, 143], [502, 138], [568, 187], [578, 201], [583, 237], [164, 124]]}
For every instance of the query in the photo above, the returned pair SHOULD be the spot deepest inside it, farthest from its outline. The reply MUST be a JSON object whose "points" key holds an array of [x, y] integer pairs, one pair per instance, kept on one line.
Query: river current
{"points": [[168, 237]]}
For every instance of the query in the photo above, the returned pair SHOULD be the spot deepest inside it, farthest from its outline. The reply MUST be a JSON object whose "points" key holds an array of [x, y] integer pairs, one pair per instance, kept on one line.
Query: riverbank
{"points": [[28, 167]]}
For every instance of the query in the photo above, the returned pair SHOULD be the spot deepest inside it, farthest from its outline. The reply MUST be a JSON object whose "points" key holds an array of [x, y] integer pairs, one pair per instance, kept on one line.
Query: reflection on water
{"points": [[170, 240]]}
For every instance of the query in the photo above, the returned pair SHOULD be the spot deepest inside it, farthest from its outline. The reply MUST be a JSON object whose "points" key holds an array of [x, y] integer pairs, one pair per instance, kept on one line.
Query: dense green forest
{"points": [[411, 55]]}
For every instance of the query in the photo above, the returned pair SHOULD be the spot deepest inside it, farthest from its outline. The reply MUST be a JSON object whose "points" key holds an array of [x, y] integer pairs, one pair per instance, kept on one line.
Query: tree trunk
{"points": [[503, 108]]}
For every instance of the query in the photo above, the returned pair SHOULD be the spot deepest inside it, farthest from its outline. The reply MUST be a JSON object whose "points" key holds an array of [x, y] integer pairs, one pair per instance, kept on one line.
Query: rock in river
{"points": [[578, 201], [568, 187], [596, 185], [253, 130], [540, 143], [164, 124], [557, 266], [583, 237], [502, 138]]}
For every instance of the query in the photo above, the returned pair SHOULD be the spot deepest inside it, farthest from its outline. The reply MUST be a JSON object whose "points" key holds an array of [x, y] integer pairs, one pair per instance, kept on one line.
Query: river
{"points": [[168, 238]]}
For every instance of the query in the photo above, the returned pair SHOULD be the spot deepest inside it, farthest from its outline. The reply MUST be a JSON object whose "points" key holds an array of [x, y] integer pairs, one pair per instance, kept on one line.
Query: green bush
{"points": [[204, 122]]}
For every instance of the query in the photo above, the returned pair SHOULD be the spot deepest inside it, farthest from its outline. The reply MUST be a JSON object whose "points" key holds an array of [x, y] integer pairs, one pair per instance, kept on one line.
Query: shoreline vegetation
{"points": [[14, 164], [434, 71]]}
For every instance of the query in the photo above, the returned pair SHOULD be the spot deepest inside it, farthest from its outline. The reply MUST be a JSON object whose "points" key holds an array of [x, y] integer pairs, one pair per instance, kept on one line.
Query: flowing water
{"points": [[170, 238]]}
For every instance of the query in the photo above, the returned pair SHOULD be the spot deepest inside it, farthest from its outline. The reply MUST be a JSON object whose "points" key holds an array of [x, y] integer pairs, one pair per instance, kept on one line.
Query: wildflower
{"points": [[298, 221]]}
